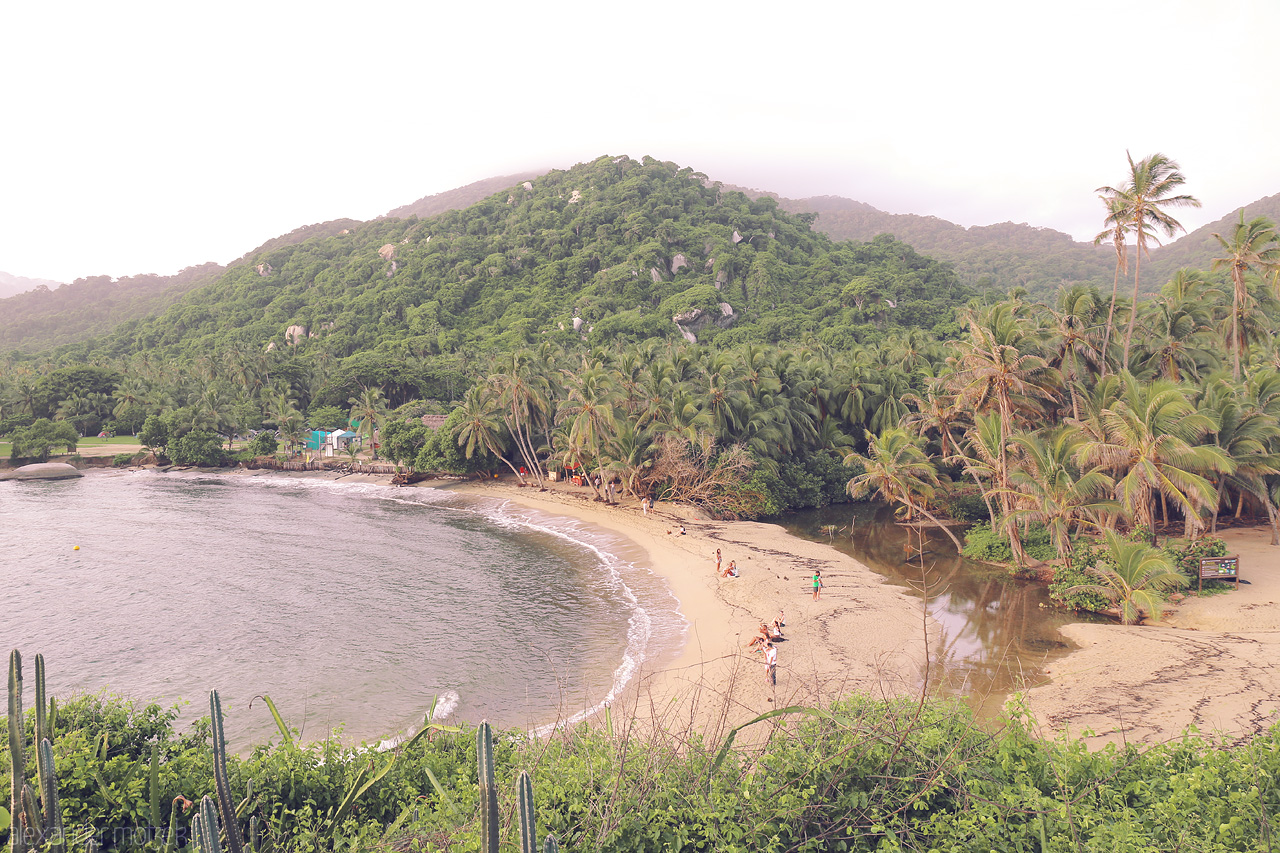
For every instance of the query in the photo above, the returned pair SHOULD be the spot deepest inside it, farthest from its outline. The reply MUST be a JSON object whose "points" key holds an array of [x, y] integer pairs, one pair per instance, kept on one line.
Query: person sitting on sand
{"points": [[775, 632], [757, 640], [731, 571]]}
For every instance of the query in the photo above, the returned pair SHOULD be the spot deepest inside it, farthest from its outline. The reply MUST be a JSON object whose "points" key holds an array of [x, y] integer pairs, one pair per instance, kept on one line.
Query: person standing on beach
{"points": [[771, 662], [817, 583], [717, 561]]}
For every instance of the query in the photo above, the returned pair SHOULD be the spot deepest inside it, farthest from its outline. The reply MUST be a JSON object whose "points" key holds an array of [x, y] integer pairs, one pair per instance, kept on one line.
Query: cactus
{"points": [[524, 804], [488, 789], [551, 846], [153, 787], [52, 827], [30, 829], [205, 827], [16, 757], [221, 782]]}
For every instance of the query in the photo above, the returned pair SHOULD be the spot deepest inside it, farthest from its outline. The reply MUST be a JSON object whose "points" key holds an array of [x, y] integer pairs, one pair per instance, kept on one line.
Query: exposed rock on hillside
{"points": [[691, 323]]}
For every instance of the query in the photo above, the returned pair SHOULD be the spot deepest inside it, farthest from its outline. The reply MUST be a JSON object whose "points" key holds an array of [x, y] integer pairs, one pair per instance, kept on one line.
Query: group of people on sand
{"points": [[729, 571], [765, 641]]}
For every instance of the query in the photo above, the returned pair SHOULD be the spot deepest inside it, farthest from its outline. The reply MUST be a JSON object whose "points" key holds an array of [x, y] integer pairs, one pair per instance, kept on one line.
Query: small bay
{"points": [[354, 606]]}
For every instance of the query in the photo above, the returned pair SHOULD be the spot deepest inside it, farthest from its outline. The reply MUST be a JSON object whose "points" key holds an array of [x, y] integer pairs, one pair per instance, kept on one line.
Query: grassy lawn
{"points": [[103, 442]]}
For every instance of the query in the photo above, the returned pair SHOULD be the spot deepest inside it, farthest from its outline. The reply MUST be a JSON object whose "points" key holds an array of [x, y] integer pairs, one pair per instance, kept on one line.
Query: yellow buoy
{"points": [[77, 547]]}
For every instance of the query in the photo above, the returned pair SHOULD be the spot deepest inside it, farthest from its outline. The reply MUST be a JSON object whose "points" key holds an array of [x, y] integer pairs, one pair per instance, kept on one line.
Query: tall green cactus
{"points": [[488, 789], [205, 827], [223, 785], [37, 819], [52, 827], [489, 801], [524, 804], [17, 762]]}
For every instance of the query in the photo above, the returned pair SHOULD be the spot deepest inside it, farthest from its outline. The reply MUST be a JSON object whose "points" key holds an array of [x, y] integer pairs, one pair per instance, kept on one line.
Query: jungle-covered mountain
{"points": [[44, 317], [605, 252]]}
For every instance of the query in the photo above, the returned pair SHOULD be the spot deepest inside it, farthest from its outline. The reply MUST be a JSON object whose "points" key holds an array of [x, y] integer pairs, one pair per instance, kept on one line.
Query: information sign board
{"points": [[1220, 568]]}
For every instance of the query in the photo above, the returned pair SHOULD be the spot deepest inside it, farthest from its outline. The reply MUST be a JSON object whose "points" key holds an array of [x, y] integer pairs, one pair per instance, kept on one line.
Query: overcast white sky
{"points": [[147, 137]]}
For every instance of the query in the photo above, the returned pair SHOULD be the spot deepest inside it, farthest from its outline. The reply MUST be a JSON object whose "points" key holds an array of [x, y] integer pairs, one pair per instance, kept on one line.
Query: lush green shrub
{"points": [[1075, 573], [264, 444], [198, 447], [1186, 555], [861, 770], [983, 543], [121, 460], [39, 439]]}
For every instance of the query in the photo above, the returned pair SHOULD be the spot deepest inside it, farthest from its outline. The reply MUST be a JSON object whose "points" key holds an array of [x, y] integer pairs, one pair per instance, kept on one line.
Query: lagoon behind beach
{"points": [[349, 603]]}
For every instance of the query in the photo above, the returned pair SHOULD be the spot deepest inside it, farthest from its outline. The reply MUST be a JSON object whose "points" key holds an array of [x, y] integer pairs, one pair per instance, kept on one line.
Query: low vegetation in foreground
{"points": [[860, 774]]}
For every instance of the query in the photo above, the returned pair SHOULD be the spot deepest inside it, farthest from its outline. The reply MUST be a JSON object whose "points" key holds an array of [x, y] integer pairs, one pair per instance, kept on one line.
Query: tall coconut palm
{"points": [[1253, 246], [369, 408], [479, 428], [589, 416], [898, 471], [1048, 488], [1141, 203], [1134, 578], [1150, 442], [1117, 231]]}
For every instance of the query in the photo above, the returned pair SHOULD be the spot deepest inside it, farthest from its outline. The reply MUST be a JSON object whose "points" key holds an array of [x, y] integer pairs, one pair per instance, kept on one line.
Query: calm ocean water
{"points": [[351, 605]]}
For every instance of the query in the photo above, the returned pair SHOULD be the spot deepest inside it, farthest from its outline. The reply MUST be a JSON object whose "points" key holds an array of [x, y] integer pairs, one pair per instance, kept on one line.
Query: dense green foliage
{"points": [[982, 543], [623, 245], [37, 441], [863, 775]]}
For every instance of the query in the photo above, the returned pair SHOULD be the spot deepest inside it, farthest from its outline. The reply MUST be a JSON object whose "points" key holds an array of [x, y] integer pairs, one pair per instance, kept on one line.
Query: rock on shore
{"points": [[43, 471]]}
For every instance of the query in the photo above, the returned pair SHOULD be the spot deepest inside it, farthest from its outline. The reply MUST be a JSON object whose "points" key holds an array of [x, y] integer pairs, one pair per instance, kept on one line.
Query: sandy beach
{"points": [[1208, 664], [861, 635]]}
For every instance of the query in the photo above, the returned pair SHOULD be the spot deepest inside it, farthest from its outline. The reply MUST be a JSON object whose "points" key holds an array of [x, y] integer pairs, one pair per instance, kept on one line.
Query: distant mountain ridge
{"points": [[12, 285]]}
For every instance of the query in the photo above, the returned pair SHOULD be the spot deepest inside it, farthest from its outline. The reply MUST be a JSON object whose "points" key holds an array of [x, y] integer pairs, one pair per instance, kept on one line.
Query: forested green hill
{"points": [[94, 306], [607, 251]]}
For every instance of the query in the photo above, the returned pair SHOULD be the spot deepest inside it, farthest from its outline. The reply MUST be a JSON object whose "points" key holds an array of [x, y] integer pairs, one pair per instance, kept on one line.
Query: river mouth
{"points": [[998, 634]]}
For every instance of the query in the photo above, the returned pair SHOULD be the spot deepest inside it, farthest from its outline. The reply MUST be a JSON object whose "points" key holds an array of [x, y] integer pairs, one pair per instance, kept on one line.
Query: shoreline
{"points": [[862, 634], [1206, 665]]}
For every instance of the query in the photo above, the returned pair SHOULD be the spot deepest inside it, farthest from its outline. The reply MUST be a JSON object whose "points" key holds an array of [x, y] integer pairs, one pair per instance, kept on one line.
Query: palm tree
{"points": [[1135, 578], [369, 410], [589, 417], [480, 427], [896, 469], [1150, 440], [1117, 232], [1049, 488], [1141, 204], [1252, 247]]}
